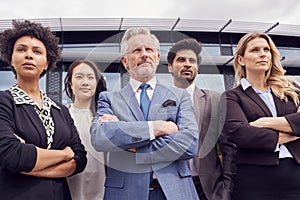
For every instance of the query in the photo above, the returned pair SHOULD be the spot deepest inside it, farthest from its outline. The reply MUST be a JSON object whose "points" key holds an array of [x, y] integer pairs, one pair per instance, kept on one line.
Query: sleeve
{"points": [[116, 136], [237, 126], [294, 119], [14, 156], [180, 145], [75, 144]]}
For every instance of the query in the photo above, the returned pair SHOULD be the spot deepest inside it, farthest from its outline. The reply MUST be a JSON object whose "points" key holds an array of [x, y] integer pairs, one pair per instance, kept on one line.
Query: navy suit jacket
{"points": [[16, 157], [128, 174]]}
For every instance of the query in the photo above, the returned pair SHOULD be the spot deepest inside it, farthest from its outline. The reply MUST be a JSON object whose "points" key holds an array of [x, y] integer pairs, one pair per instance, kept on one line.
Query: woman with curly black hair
{"points": [[39, 144]]}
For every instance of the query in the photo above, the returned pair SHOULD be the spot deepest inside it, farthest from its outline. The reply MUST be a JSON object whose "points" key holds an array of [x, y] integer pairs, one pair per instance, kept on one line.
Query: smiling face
{"points": [[29, 58], [257, 57], [141, 58], [83, 82], [184, 68]]}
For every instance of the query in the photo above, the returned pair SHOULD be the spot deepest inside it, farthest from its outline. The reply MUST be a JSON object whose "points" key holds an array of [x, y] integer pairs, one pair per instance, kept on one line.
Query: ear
{"points": [[169, 67], [47, 65], [158, 58], [124, 62], [241, 60]]}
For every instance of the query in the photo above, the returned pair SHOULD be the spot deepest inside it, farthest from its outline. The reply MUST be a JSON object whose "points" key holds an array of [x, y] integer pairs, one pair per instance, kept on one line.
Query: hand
{"points": [[108, 118], [260, 123], [285, 138], [21, 140], [69, 153], [164, 128], [133, 150]]}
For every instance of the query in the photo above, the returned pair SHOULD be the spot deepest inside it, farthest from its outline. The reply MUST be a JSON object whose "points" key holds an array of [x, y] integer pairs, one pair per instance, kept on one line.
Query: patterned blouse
{"points": [[20, 97]]}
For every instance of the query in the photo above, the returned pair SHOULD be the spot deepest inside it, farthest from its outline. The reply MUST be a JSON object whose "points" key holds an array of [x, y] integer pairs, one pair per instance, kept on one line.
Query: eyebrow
{"points": [[24, 45]]}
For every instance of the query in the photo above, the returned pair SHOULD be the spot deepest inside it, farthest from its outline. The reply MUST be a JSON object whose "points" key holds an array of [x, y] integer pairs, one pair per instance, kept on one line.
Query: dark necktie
{"points": [[144, 100]]}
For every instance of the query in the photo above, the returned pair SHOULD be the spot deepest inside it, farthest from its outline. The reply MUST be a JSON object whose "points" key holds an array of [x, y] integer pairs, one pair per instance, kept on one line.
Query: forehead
{"points": [[257, 42], [30, 41], [141, 41], [187, 53], [83, 68]]}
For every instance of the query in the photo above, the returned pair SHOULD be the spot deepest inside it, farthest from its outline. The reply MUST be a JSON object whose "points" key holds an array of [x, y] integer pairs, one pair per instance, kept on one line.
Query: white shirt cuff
{"points": [[277, 148], [151, 130]]}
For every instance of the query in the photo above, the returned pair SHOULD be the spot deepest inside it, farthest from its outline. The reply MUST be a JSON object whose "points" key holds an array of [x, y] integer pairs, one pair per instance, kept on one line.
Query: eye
{"points": [[38, 52], [181, 59], [192, 60], [254, 50], [20, 49], [149, 50], [136, 50], [91, 77], [267, 49], [78, 77]]}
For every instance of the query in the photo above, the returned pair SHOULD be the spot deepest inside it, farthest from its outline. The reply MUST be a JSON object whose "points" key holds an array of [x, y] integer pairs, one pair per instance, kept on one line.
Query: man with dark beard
{"points": [[183, 61]]}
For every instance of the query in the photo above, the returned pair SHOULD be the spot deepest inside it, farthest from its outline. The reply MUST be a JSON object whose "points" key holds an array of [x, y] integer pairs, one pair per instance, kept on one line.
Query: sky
{"points": [[269, 11]]}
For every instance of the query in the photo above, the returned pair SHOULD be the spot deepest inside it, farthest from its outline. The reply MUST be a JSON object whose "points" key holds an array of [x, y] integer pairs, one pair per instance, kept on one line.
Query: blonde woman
{"points": [[263, 122]]}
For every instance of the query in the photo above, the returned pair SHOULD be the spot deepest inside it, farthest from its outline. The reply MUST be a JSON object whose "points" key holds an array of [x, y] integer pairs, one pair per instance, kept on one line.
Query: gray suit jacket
{"points": [[128, 174], [207, 161]]}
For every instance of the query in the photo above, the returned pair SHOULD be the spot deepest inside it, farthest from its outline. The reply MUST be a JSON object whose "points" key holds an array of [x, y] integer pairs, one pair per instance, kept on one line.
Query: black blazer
{"points": [[257, 145], [16, 157]]}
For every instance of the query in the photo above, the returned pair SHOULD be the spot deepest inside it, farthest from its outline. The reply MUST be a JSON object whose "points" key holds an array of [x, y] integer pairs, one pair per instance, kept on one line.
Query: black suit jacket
{"points": [[16, 157], [257, 145], [215, 181]]}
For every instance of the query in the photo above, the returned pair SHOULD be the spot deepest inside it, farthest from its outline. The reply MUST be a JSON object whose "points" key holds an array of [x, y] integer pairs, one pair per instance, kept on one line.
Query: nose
{"points": [[29, 55], [263, 53], [144, 53], [85, 81], [187, 63]]}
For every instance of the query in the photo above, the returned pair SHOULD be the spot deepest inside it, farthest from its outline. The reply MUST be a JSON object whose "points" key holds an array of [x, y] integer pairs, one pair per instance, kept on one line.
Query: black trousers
{"points": [[256, 182]]}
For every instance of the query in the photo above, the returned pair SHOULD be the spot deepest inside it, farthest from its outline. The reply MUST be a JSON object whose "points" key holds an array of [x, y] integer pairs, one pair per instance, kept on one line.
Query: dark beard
{"points": [[184, 79]]}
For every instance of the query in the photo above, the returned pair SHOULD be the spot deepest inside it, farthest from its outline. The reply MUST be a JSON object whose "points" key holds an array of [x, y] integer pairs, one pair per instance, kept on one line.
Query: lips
{"points": [[84, 89], [187, 72], [263, 62], [28, 64]]}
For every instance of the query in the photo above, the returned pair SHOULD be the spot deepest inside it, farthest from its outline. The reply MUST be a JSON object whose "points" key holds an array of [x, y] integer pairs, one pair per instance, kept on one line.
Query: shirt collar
{"points": [[191, 89], [136, 84], [245, 84], [21, 97]]}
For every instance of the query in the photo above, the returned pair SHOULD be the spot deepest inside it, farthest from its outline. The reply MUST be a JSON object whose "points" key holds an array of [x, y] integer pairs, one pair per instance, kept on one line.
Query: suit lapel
{"points": [[254, 96], [160, 95], [129, 97], [199, 106], [280, 107], [37, 123]]}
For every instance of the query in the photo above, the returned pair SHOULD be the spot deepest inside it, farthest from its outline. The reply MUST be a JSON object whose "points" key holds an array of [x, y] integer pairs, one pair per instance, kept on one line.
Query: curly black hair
{"points": [[26, 28]]}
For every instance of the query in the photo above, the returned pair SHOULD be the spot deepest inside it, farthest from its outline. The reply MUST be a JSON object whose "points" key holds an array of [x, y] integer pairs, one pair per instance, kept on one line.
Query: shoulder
{"points": [[6, 96]]}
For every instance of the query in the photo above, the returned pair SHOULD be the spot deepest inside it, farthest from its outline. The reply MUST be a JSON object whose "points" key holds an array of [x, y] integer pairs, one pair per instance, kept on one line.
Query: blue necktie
{"points": [[144, 100]]}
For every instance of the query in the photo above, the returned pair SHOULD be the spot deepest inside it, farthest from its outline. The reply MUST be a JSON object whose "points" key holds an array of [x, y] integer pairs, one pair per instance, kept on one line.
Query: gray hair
{"points": [[133, 32]]}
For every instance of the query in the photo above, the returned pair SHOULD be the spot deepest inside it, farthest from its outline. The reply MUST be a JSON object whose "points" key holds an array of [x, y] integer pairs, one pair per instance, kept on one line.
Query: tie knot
{"points": [[144, 86]]}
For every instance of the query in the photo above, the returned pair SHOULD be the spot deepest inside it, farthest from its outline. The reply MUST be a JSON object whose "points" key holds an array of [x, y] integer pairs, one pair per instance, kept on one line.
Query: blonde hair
{"points": [[282, 86]]}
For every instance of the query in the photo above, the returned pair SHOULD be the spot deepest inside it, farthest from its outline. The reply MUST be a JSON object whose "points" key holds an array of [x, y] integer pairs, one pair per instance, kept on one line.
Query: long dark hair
{"points": [[101, 83]]}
